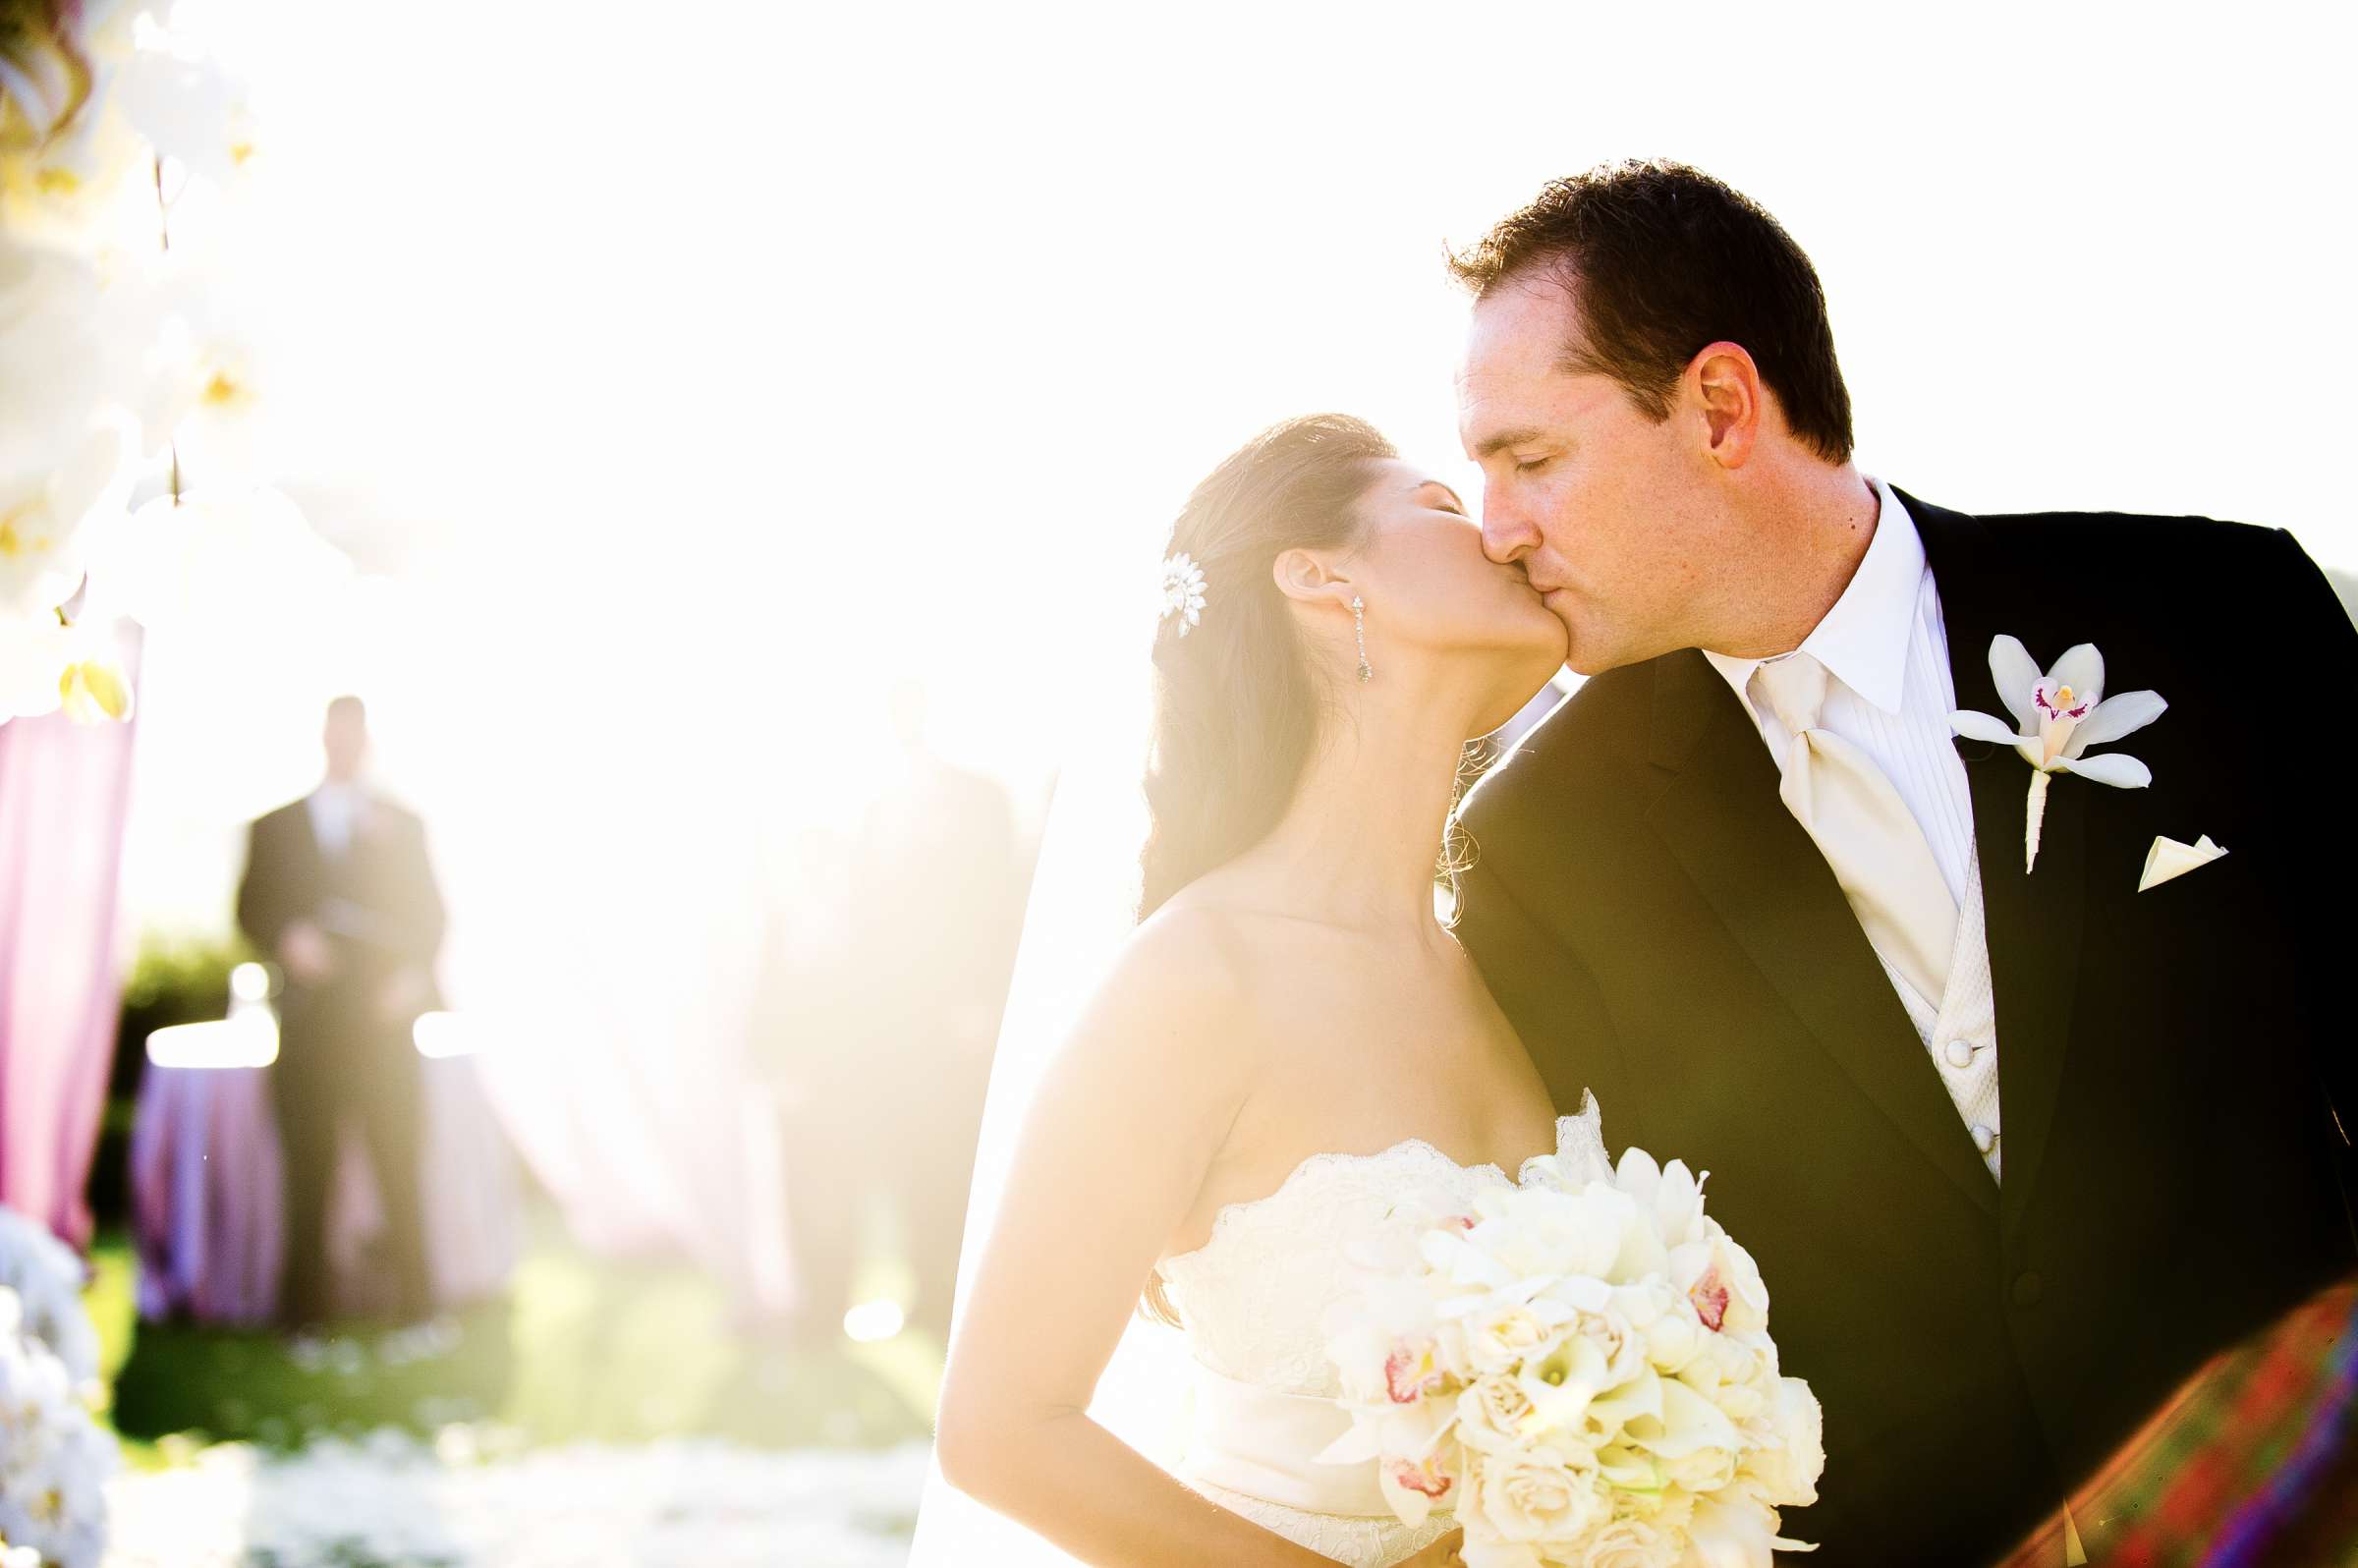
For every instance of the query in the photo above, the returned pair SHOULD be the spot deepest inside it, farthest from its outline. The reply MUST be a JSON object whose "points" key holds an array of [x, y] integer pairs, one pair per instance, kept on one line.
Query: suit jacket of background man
{"points": [[1661, 931], [377, 903]]}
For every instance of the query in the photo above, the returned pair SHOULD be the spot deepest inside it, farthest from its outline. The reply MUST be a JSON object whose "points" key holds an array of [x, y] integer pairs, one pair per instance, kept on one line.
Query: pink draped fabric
{"points": [[65, 791]]}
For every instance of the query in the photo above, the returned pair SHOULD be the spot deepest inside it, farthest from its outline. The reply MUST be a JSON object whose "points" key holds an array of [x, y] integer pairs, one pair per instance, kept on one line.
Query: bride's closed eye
{"points": [[1444, 499]]}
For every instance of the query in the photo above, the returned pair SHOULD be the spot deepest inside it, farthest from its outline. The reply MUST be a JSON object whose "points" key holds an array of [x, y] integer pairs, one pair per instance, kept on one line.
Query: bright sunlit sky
{"points": [[678, 378]]}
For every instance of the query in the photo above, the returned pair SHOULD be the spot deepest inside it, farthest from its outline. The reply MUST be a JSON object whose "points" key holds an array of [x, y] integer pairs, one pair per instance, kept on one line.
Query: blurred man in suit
{"points": [[892, 1009], [338, 891]]}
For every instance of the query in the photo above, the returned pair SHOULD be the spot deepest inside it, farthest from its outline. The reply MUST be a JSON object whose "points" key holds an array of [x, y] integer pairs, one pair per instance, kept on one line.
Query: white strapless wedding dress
{"points": [[1253, 1302]]}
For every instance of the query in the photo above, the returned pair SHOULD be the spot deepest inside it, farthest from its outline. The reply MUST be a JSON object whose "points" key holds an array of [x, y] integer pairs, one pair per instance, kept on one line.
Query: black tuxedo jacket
{"points": [[377, 902], [1663, 931]]}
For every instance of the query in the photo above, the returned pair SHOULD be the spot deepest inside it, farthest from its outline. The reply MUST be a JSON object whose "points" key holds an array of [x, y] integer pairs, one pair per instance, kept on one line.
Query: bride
{"points": [[1292, 1061]]}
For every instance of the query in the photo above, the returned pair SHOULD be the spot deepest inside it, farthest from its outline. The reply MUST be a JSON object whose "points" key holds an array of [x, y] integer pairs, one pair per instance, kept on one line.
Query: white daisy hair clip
{"points": [[1182, 591]]}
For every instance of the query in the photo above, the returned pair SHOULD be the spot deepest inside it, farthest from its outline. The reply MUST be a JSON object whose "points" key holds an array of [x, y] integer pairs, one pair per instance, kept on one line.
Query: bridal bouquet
{"points": [[1583, 1372], [54, 1456]]}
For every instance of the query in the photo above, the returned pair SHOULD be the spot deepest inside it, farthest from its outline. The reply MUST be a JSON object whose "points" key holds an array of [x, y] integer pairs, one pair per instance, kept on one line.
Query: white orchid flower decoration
{"points": [[2057, 716]]}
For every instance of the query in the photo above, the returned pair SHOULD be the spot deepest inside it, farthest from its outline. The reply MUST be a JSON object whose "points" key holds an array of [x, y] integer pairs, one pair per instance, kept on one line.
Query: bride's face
{"points": [[1431, 592]]}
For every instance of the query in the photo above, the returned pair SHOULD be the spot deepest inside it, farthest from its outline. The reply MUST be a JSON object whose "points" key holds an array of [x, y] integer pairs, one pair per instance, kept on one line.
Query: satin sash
{"points": [[1264, 1444]]}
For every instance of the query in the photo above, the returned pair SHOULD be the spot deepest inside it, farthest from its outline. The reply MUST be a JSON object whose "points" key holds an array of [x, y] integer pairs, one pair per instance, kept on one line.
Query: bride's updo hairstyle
{"points": [[1238, 700]]}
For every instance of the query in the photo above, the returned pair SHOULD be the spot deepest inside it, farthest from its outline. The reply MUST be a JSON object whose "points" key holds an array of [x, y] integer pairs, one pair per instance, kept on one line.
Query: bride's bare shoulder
{"points": [[1186, 988]]}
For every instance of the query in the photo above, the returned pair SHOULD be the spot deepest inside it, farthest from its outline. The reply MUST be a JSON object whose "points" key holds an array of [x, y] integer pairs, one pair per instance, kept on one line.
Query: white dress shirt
{"points": [[1885, 652], [1889, 692], [335, 810]]}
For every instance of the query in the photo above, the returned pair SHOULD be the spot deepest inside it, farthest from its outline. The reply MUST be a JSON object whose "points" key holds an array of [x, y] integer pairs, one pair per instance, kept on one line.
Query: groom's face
{"points": [[1607, 510]]}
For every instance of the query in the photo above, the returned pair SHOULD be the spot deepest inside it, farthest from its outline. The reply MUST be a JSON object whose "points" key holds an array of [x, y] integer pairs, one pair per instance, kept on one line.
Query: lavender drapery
{"points": [[65, 791], [207, 1210]]}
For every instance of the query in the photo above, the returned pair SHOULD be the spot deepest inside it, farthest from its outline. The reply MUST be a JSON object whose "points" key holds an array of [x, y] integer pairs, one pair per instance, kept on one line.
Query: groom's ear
{"points": [[1307, 579], [1724, 386]]}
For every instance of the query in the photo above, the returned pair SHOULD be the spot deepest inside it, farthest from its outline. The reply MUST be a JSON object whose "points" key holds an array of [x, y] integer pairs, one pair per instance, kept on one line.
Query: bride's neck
{"points": [[1358, 844]]}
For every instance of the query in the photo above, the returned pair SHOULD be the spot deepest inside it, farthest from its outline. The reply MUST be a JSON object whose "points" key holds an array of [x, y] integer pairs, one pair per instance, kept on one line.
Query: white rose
{"points": [[1618, 1342], [1532, 1495], [1729, 1530], [1734, 1374], [1493, 1413], [1705, 1470], [1502, 1330], [1785, 1473], [1539, 1231], [1629, 1543]]}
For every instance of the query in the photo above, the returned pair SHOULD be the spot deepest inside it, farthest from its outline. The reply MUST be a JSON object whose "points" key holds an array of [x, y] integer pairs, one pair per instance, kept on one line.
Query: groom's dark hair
{"points": [[1662, 261]]}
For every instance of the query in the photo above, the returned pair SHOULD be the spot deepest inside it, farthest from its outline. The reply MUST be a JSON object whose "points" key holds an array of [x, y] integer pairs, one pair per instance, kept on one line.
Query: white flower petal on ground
{"points": [[54, 1457], [46, 1277], [680, 1500]]}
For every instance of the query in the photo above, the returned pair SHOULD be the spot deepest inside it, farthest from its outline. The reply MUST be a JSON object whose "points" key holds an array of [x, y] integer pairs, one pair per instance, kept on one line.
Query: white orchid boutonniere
{"points": [[2057, 716]]}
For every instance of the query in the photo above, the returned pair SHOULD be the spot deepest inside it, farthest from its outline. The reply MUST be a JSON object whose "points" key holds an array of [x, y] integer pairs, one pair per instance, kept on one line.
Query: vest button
{"points": [[1985, 1138], [1960, 1053], [2028, 1288]]}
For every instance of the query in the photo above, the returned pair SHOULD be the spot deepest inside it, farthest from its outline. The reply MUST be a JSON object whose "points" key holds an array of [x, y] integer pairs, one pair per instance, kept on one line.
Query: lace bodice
{"points": [[1255, 1298]]}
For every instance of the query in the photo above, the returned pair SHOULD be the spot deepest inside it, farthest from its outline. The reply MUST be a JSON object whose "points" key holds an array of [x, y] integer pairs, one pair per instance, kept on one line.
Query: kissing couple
{"points": [[1915, 873]]}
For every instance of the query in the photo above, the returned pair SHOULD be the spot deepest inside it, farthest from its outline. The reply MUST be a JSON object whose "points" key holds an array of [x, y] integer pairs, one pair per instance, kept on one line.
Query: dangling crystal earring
{"points": [[1359, 624]]}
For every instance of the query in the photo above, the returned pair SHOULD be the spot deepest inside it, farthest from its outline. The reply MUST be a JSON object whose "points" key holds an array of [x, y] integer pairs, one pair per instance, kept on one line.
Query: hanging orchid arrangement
{"points": [[124, 151]]}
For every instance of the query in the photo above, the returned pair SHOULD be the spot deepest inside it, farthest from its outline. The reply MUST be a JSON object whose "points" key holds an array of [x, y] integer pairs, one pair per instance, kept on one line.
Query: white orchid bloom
{"points": [[210, 380], [43, 513], [86, 187], [2057, 716], [95, 687], [35, 652], [191, 110], [46, 664], [209, 555]]}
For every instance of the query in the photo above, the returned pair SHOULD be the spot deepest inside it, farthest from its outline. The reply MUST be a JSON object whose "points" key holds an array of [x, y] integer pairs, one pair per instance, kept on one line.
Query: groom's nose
{"points": [[1509, 532]]}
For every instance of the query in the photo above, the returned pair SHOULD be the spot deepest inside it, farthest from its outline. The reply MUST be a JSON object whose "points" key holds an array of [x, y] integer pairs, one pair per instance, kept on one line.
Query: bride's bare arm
{"points": [[1110, 1162]]}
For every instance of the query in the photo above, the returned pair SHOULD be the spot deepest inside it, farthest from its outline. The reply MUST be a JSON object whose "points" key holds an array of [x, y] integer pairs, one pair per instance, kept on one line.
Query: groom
{"points": [[2016, 1149]]}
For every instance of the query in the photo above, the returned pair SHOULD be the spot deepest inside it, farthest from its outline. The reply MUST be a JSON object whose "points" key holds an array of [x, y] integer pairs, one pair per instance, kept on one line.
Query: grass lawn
{"points": [[579, 1348]]}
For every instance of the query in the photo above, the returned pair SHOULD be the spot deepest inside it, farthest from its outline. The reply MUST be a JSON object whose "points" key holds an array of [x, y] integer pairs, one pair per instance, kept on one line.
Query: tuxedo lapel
{"points": [[2033, 919], [1724, 821]]}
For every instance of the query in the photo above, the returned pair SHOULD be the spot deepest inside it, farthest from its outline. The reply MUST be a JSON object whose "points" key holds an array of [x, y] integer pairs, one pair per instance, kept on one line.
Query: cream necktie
{"points": [[1863, 829]]}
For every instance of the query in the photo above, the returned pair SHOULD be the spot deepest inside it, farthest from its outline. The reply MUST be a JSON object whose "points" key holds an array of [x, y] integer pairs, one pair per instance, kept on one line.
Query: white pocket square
{"points": [[2169, 857]]}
